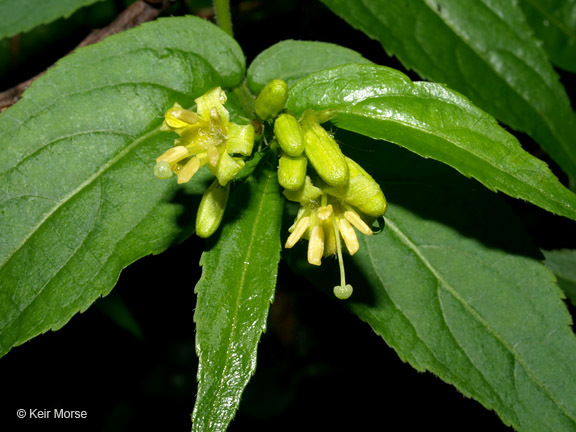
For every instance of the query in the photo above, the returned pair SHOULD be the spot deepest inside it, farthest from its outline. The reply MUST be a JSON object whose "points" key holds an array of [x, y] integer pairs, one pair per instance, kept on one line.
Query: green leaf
{"points": [[554, 23], [563, 265], [78, 200], [292, 60], [23, 15], [234, 294], [483, 49], [435, 122], [455, 287]]}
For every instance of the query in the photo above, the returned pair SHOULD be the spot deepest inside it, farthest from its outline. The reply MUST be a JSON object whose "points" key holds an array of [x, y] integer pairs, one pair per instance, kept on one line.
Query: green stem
{"points": [[223, 15]]}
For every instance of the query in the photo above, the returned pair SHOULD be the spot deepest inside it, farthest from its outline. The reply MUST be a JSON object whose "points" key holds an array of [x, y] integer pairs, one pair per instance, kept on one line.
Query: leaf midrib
{"points": [[559, 24], [562, 204], [564, 145], [241, 287], [79, 189], [417, 332], [475, 315]]}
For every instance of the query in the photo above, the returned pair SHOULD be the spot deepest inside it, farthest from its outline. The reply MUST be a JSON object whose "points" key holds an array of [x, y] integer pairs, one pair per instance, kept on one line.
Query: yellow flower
{"points": [[325, 221], [206, 137]]}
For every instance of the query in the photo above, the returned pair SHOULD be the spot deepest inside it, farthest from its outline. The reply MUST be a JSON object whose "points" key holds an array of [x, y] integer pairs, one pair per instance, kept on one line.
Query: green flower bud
{"points": [[324, 152], [211, 209], [292, 171], [271, 99], [362, 191], [305, 194], [240, 139], [289, 135]]}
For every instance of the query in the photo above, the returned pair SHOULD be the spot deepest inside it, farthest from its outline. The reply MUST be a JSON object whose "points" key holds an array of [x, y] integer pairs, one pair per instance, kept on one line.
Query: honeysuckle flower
{"points": [[206, 137], [326, 221], [323, 224]]}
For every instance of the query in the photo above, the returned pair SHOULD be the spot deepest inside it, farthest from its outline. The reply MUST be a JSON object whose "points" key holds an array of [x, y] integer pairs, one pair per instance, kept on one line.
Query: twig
{"points": [[137, 13]]}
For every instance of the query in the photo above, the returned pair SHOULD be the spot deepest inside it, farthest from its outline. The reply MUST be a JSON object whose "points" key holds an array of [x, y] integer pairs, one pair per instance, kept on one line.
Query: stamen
{"points": [[299, 230], [186, 116], [188, 170], [213, 156], [173, 155], [214, 115], [349, 236], [316, 245], [353, 217], [324, 212], [178, 117]]}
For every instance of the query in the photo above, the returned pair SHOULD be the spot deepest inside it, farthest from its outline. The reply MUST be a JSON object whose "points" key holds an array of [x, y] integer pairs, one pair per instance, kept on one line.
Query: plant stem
{"points": [[223, 15]]}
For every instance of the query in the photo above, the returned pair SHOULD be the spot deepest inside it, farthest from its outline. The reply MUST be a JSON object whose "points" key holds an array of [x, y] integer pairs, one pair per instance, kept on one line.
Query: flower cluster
{"points": [[336, 195], [206, 137]]}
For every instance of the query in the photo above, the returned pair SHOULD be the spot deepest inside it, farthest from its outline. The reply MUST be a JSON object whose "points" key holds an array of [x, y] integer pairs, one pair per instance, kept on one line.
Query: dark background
{"points": [[318, 366]]}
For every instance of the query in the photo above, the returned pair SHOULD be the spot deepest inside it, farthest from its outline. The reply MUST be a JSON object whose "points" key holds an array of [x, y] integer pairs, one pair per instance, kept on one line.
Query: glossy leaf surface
{"points": [[293, 60], [483, 49], [455, 287], [435, 122], [234, 294], [78, 198], [554, 23]]}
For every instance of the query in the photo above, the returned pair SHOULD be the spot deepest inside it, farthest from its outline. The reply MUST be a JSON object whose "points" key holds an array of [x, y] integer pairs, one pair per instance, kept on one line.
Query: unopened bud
{"points": [[292, 171], [324, 152], [271, 99], [289, 135], [211, 209], [362, 191], [305, 194]]}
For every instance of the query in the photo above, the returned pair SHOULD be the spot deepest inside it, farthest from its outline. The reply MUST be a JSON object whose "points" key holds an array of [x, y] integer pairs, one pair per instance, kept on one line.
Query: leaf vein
{"points": [[241, 285], [452, 291], [79, 189]]}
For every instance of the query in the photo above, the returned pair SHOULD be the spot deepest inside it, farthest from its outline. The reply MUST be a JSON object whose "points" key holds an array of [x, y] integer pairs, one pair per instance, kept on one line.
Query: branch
{"points": [[137, 13]]}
